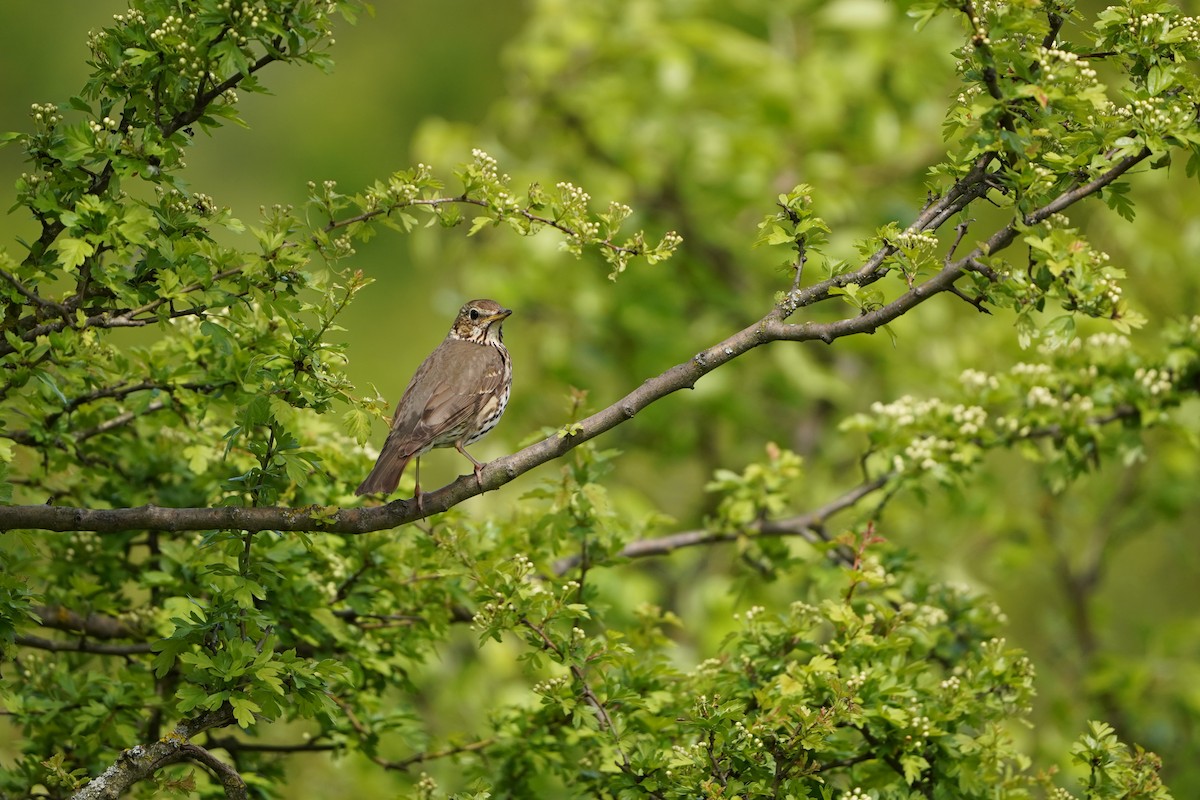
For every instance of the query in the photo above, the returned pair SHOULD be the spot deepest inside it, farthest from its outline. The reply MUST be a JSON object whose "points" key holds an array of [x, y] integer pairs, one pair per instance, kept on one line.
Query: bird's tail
{"points": [[385, 476]]}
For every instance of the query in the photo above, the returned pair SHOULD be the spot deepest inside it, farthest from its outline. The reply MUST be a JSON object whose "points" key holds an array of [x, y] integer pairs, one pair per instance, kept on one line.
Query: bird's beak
{"points": [[502, 314]]}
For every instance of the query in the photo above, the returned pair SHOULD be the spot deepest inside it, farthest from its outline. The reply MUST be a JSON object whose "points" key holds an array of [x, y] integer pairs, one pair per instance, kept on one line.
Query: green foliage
{"points": [[819, 661]]}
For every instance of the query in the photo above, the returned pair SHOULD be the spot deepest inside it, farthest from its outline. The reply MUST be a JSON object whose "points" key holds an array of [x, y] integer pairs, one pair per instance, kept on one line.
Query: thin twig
{"points": [[809, 526], [29, 294], [586, 688]]}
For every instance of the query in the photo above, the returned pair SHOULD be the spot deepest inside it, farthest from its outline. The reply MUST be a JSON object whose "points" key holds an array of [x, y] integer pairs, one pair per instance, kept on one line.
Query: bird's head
{"points": [[480, 321]]}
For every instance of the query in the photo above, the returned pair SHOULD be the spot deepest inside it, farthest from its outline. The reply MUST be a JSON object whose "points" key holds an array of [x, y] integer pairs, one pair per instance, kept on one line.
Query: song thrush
{"points": [[456, 396]]}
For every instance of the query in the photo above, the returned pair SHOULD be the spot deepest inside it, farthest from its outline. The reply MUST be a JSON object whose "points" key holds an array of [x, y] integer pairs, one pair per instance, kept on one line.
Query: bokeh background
{"points": [[858, 115]]}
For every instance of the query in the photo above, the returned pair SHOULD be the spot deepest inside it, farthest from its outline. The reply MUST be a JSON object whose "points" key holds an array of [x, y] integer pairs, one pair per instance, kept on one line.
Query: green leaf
{"points": [[357, 423], [479, 223], [222, 339], [76, 146], [73, 252], [1159, 79]]}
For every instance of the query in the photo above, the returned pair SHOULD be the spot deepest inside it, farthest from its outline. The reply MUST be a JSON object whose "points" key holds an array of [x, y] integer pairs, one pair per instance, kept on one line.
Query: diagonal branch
{"points": [[770, 328]]}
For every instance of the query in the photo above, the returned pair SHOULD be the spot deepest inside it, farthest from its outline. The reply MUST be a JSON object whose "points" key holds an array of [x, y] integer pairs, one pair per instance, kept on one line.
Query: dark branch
{"points": [[83, 646], [97, 626], [141, 761]]}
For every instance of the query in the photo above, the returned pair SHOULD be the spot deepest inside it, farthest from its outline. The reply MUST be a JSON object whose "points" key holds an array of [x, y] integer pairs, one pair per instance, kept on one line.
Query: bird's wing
{"points": [[467, 374]]}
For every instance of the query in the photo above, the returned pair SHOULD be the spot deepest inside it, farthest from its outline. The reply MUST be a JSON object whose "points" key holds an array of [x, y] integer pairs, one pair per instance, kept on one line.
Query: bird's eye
{"points": [[474, 314]]}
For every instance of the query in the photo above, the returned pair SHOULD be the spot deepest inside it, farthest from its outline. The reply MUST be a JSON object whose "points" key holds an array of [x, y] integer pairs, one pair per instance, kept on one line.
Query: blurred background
{"points": [[698, 131]]}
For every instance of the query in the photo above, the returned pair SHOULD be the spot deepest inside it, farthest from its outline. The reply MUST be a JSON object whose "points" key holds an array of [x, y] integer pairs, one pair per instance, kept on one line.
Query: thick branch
{"points": [[770, 328], [231, 781], [98, 626], [143, 760]]}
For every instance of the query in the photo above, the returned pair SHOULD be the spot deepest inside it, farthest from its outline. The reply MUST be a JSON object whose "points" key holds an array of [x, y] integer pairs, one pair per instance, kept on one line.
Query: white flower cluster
{"points": [[1031, 370], [968, 418], [1108, 341], [487, 165], [1155, 113], [572, 195], [106, 124], [1155, 381], [952, 684], [85, 543], [130, 18], [1047, 58], [550, 685], [975, 379], [671, 240], [917, 240], [47, 113], [931, 616], [524, 563], [750, 614], [921, 725], [743, 735], [873, 570], [1043, 176], [856, 680], [969, 94], [927, 452], [618, 211], [1109, 286], [491, 609], [690, 752], [1164, 25], [981, 37], [857, 793], [171, 26], [907, 409], [1057, 220], [1040, 396]]}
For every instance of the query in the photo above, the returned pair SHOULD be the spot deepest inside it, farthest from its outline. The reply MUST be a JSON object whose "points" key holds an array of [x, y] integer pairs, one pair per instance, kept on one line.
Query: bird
{"points": [[455, 397]]}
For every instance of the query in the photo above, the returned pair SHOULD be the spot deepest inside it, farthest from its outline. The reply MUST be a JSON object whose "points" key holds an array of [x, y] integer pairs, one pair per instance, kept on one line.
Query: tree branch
{"points": [[809, 526], [231, 781], [98, 626], [770, 328], [84, 646], [232, 745], [143, 760]]}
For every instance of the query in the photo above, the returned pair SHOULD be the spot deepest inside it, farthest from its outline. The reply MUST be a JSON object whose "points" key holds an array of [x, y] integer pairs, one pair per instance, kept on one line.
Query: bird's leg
{"points": [[478, 467], [417, 487]]}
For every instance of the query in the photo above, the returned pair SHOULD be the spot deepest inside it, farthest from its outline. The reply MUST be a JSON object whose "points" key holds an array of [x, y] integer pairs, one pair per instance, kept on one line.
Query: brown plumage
{"points": [[456, 396]]}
